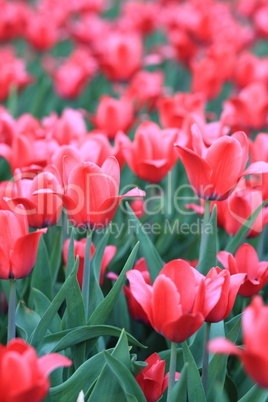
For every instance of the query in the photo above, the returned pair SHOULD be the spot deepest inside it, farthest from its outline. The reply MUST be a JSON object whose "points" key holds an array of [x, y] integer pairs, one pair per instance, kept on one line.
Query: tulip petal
{"points": [[256, 168], [51, 362], [180, 330], [111, 170], [4, 264], [247, 261], [225, 158], [180, 272], [166, 306], [224, 346], [198, 171], [140, 290], [23, 256]]}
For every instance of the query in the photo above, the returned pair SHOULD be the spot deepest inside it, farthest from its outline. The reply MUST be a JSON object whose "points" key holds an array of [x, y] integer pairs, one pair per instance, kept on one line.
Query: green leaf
{"points": [[41, 304], [107, 387], [71, 256], [64, 339], [104, 309], [96, 295], [5, 171], [26, 320], [55, 256], [195, 387], [153, 259], [41, 328], [240, 236], [82, 379], [41, 275], [255, 394], [126, 380], [179, 392], [208, 252], [217, 366], [75, 315], [75, 309]]}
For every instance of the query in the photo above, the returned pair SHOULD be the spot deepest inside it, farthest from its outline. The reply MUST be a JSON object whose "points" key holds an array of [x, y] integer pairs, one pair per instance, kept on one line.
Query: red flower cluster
{"points": [[23, 375]]}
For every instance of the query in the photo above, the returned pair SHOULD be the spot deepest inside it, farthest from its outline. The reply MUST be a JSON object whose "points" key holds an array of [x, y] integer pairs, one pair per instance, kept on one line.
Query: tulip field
{"points": [[134, 200]]}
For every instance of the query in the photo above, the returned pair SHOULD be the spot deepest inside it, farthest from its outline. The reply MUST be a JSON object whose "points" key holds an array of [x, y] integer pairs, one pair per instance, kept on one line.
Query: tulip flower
{"points": [[42, 31], [246, 261], [91, 197], [24, 375], [145, 88], [80, 249], [135, 309], [12, 73], [249, 108], [215, 171], [173, 111], [121, 54], [174, 303], [18, 247], [254, 354], [80, 65], [42, 209], [70, 128], [233, 212], [227, 289], [151, 156], [152, 378], [97, 148], [113, 115]]}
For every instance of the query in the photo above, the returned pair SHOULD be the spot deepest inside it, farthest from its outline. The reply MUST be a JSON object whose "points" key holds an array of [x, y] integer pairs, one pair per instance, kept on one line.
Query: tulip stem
{"points": [[205, 358], [172, 369], [86, 274], [11, 327], [205, 222]]}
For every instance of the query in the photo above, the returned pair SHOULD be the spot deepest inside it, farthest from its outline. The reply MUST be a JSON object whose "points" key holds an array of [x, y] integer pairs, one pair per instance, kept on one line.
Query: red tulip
{"points": [[121, 54], [18, 247], [70, 128], [173, 111], [42, 209], [113, 115], [80, 66], [214, 172], [174, 305], [152, 153], [246, 261], [261, 20], [233, 212], [42, 31], [145, 88], [135, 309], [24, 375], [137, 207], [152, 378], [12, 73], [248, 109], [91, 196], [97, 148], [227, 289], [142, 17], [254, 355], [80, 250]]}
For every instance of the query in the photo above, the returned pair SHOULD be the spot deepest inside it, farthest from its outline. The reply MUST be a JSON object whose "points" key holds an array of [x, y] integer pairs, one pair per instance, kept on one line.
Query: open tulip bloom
{"points": [[181, 298], [254, 354], [91, 193], [215, 171], [24, 375], [18, 247], [100, 100]]}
